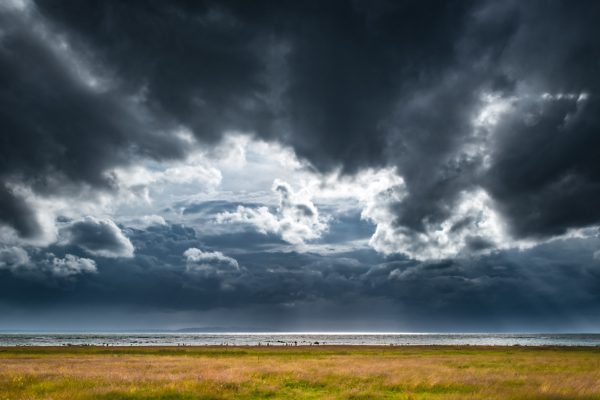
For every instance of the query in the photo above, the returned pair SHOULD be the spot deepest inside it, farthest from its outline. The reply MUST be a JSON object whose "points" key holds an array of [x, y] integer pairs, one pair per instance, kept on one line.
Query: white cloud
{"points": [[193, 170], [262, 219], [493, 107], [472, 226], [199, 261], [189, 174], [212, 265], [232, 152], [68, 266], [145, 221], [296, 219]]}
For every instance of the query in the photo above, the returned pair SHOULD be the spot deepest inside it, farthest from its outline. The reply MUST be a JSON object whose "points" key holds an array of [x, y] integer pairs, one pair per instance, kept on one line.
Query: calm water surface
{"points": [[282, 339]]}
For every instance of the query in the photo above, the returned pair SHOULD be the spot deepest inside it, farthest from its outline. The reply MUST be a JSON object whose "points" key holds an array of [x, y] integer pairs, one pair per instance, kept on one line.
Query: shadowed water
{"points": [[287, 339]]}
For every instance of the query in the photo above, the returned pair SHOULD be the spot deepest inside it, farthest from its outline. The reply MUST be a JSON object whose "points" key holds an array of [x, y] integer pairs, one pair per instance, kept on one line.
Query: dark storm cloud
{"points": [[101, 237], [56, 129], [543, 172], [341, 67], [546, 173], [347, 84], [15, 211], [52, 121], [200, 63]]}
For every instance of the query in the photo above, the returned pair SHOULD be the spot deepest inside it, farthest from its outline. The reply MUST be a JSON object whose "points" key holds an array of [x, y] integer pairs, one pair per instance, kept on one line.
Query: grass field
{"points": [[299, 373]]}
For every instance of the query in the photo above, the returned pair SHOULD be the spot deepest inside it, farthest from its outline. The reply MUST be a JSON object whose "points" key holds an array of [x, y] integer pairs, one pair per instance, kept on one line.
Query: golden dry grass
{"points": [[300, 373]]}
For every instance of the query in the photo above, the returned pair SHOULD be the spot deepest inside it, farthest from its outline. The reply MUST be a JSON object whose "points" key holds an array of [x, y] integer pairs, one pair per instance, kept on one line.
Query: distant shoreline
{"points": [[145, 348], [284, 339]]}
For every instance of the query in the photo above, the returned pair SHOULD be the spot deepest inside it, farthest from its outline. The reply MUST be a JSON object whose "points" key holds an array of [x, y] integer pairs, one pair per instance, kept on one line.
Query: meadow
{"points": [[317, 372]]}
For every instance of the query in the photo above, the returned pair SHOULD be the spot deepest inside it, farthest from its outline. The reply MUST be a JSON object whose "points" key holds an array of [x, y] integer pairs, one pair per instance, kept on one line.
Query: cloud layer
{"points": [[550, 287]]}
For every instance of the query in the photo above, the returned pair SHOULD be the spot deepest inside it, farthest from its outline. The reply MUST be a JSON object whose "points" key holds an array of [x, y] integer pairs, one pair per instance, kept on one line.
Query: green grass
{"points": [[326, 372]]}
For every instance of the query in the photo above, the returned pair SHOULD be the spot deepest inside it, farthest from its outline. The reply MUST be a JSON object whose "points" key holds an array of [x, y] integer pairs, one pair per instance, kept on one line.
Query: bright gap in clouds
{"points": [[265, 188], [249, 185]]}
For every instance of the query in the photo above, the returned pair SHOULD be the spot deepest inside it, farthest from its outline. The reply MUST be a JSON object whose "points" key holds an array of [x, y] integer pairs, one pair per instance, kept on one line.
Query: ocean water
{"points": [[287, 339]]}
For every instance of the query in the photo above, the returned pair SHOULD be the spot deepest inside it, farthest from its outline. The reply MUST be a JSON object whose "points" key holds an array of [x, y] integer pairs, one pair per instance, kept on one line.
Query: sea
{"points": [[297, 339]]}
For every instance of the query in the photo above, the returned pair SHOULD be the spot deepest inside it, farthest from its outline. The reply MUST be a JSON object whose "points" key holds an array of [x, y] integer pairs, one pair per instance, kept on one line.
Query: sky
{"points": [[413, 166]]}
